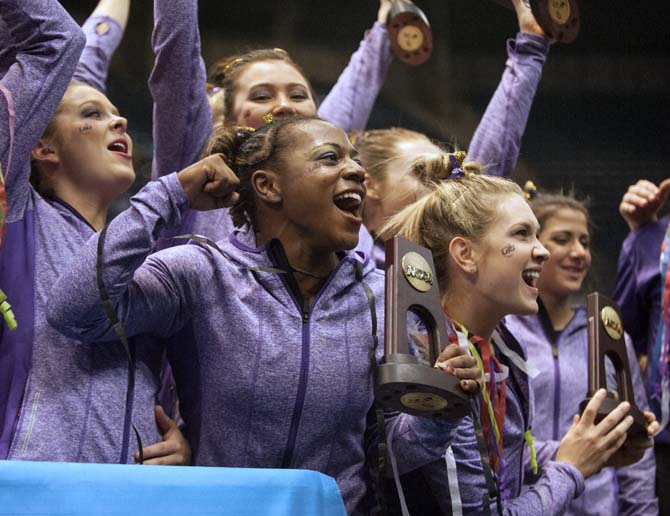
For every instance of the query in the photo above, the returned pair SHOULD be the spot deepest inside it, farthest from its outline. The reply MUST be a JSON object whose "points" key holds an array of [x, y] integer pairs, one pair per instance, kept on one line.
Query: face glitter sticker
{"points": [[508, 250], [85, 128]]}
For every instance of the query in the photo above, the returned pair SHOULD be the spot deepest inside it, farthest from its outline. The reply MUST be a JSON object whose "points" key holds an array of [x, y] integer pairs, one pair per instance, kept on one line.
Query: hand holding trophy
{"points": [[559, 19]]}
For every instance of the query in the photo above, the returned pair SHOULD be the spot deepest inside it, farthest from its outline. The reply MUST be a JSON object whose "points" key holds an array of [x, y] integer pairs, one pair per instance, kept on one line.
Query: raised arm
{"points": [[497, 140], [41, 45], [350, 102], [149, 298], [182, 119], [104, 31]]}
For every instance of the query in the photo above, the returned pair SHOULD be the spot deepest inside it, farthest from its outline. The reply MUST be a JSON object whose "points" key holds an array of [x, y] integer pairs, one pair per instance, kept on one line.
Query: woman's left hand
{"points": [[527, 21], [174, 450], [455, 360]]}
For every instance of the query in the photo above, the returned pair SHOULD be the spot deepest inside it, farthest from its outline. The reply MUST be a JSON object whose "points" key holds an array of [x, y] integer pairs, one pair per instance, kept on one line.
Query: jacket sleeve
{"points": [[638, 280], [497, 140], [149, 298], [103, 35], [41, 45], [350, 102], [556, 486], [182, 119], [637, 494]]}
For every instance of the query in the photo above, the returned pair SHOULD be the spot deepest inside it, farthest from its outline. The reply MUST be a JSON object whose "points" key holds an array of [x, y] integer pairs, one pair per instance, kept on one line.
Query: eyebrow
{"points": [[113, 109], [274, 85], [352, 153]]}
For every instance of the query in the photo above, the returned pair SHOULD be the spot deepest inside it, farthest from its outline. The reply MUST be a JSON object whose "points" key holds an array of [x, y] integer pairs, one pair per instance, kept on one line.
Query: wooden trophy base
{"points": [[409, 387]]}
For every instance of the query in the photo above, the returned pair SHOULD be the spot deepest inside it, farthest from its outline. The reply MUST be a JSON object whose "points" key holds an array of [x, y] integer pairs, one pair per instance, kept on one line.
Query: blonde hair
{"points": [[408, 152], [463, 207]]}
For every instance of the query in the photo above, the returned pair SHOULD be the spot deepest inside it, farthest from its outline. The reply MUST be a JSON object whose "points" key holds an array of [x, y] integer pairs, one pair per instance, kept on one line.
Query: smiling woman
{"points": [[274, 328]]}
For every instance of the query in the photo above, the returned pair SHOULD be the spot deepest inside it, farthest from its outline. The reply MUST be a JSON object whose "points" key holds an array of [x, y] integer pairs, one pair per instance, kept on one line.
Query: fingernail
{"points": [[629, 420], [625, 405]]}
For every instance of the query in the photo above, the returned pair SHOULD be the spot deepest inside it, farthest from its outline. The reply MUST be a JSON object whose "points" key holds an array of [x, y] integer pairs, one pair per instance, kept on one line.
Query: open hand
{"points": [[174, 450]]}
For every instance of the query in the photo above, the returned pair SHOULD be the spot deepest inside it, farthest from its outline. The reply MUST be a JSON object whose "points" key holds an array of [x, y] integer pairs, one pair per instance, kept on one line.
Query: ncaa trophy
{"points": [[409, 32], [559, 19], [606, 341], [402, 382]]}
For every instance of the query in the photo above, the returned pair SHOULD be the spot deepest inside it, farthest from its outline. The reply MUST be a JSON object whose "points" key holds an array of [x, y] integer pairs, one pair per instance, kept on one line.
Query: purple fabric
{"points": [[497, 140], [103, 35], [557, 483], [238, 365], [627, 490], [637, 290], [40, 45], [63, 401], [182, 117]]}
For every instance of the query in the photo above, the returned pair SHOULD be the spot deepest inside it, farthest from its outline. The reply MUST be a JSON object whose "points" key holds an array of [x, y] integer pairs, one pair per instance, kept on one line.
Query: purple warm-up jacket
{"points": [[558, 389], [262, 382], [497, 140], [59, 399], [182, 116], [637, 290]]}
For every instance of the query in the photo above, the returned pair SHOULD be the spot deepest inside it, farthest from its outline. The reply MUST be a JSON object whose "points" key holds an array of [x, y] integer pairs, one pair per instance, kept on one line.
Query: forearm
{"points": [[350, 102], [145, 300], [117, 10], [103, 36], [182, 120], [497, 140]]}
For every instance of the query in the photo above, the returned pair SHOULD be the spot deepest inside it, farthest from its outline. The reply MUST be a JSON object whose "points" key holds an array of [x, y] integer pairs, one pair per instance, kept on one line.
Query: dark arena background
{"points": [[600, 120]]}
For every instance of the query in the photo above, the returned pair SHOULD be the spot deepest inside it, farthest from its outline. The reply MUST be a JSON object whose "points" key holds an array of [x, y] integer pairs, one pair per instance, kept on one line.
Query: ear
{"points": [[266, 185], [464, 254], [45, 152]]}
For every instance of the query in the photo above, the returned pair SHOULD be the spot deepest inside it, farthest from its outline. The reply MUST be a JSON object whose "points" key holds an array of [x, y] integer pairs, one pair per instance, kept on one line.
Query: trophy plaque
{"points": [[403, 382], [606, 341], [559, 19], [410, 34]]}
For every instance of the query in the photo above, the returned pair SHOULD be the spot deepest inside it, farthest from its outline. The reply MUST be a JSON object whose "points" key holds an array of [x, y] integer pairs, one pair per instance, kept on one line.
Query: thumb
{"points": [[163, 421], [664, 189]]}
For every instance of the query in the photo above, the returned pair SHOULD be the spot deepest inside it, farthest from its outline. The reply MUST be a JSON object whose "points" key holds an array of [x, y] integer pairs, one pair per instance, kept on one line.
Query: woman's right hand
{"points": [[587, 445], [209, 184]]}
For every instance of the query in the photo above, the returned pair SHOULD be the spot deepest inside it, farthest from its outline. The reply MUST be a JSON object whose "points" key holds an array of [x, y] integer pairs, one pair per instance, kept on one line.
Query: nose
{"points": [[119, 124], [540, 253], [578, 250], [284, 107], [354, 171]]}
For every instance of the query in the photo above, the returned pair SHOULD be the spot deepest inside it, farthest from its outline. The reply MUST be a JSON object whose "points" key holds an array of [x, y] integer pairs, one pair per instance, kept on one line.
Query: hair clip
{"points": [[229, 65], [456, 160], [530, 190], [268, 118]]}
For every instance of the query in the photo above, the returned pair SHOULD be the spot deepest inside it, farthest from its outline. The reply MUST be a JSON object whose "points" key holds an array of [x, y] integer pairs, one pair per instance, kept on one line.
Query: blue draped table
{"points": [[52, 488]]}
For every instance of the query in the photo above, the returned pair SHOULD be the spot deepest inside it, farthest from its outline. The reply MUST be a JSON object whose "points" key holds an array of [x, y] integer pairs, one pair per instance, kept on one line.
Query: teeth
{"points": [[531, 274], [118, 146], [349, 195]]}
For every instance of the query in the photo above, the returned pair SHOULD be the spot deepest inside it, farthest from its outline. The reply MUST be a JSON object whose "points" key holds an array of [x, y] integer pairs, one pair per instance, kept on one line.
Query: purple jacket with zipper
{"points": [[262, 382], [497, 140], [557, 483], [562, 386], [182, 117], [59, 399], [638, 288]]}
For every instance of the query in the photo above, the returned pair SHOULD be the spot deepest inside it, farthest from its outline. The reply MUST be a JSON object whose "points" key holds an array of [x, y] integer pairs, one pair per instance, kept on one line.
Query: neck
{"points": [[93, 209], [558, 308], [372, 218], [464, 307], [302, 256]]}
